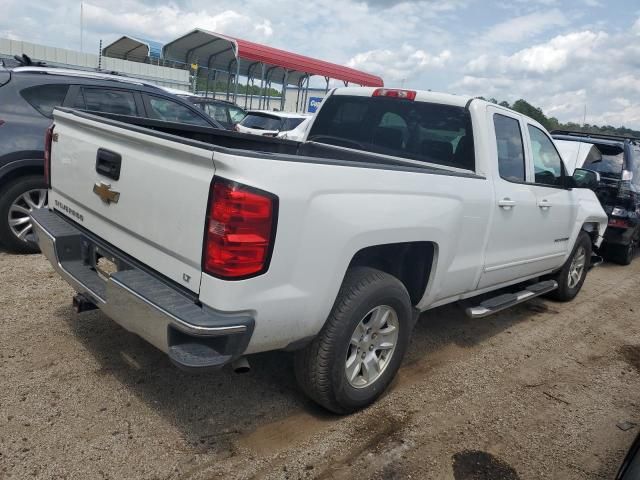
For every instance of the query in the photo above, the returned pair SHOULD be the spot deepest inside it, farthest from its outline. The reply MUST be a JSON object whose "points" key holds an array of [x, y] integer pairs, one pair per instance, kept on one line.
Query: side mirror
{"points": [[583, 178]]}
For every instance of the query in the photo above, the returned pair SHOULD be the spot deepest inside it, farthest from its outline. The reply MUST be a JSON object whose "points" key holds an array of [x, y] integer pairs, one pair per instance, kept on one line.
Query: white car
{"points": [[398, 201], [298, 133], [269, 124]]}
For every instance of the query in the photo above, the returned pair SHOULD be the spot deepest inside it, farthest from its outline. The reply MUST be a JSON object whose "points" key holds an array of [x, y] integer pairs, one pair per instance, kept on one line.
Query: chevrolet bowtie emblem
{"points": [[103, 190]]}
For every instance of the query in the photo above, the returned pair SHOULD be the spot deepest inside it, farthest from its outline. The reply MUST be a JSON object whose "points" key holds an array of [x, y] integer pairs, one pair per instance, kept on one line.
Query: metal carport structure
{"points": [[228, 58], [134, 48]]}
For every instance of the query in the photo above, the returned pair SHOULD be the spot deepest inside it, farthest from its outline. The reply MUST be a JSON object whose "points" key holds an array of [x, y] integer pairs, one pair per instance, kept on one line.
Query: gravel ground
{"points": [[535, 392]]}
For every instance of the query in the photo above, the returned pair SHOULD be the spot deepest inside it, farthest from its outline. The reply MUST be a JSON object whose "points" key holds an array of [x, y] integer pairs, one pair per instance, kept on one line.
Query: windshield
{"points": [[610, 164], [428, 132], [261, 122]]}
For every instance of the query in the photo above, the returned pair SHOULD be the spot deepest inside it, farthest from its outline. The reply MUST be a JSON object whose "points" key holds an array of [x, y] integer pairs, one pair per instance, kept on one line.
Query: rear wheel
{"points": [[359, 350], [17, 200], [572, 275]]}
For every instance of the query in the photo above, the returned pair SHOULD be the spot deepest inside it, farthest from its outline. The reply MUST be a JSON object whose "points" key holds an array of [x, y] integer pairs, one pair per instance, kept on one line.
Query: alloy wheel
{"points": [[372, 345], [577, 267], [20, 211]]}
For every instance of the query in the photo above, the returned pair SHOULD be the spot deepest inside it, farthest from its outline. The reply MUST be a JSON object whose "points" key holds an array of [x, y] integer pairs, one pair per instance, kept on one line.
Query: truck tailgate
{"points": [[157, 206]]}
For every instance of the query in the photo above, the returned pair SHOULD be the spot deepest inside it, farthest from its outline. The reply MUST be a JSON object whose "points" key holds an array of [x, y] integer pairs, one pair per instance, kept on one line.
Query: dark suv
{"points": [[28, 96], [617, 160]]}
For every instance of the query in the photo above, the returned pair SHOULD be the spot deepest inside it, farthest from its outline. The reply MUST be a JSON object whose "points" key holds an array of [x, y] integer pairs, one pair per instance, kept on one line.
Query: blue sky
{"points": [[559, 55]]}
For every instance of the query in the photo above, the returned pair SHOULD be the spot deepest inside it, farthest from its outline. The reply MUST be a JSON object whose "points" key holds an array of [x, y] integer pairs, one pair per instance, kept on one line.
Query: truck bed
{"points": [[265, 147]]}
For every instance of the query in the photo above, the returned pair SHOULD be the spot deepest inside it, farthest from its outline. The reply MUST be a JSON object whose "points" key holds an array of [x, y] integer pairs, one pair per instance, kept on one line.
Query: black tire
{"points": [[564, 292], [622, 254], [9, 193], [320, 367]]}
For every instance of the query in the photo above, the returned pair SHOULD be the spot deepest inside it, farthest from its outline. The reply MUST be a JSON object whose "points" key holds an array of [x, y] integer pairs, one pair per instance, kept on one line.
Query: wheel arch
{"points": [[413, 263], [20, 168]]}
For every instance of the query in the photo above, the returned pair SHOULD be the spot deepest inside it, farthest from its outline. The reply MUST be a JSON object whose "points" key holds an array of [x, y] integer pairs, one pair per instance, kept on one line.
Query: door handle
{"points": [[108, 163], [506, 203], [544, 203]]}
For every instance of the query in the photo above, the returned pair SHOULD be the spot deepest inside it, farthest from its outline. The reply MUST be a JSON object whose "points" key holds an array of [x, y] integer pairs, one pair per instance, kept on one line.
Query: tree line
{"points": [[552, 123]]}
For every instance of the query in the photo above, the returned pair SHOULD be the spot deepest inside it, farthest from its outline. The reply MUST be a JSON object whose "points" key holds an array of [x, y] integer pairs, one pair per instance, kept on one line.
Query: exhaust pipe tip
{"points": [[241, 365]]}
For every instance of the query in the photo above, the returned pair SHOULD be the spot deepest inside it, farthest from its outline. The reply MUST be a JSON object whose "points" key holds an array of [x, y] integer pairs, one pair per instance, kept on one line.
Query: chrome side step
{"points": [[506, 300]]}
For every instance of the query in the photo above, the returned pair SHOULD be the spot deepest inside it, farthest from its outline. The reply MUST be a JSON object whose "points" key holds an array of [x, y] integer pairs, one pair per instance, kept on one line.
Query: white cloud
{"points": [[525, 26], [399, 64], [552, 56]]}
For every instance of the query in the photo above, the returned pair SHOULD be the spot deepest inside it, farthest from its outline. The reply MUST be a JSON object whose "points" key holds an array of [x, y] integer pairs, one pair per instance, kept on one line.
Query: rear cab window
{"points": [[44, 98], [428, 132]]}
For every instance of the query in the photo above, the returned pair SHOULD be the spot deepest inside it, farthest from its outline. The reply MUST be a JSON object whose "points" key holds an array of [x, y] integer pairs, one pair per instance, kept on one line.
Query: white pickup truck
{"points": [[215, 245]]}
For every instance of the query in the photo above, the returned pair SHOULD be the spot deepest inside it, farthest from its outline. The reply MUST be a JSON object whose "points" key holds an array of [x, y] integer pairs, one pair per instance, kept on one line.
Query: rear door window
{"points": [[236, 114], [218, 112], [120, 102], [44, 98], [261, 122], [428, 132], [510, 148], [170, 111]]}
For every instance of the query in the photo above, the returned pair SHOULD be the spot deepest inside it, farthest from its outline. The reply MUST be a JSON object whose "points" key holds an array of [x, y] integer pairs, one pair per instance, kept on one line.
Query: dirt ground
{"points": [[535, 392]]}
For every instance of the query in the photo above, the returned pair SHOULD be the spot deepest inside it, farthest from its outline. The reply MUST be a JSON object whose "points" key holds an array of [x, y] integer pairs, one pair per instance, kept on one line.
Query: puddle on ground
{"points": [[631, 355], [479, 465]]}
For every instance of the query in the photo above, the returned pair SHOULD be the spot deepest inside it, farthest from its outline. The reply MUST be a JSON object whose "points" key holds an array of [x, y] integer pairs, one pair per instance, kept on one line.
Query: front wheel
{"points": [[359, 350], [572, 275]]}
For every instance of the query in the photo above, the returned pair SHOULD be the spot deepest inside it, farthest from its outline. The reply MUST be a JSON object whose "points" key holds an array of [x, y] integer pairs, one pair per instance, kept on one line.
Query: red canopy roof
{"points": [[214, 50]]}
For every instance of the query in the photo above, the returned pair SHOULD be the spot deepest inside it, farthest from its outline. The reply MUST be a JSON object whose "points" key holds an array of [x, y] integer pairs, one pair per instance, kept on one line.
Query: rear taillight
{"points": [[48, 139], [395, 93], [240, 230], [619, 222]]}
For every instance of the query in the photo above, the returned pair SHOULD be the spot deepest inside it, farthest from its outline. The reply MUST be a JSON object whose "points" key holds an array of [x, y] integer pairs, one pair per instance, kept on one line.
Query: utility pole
{"points": [[81, 26], [584, 117]]}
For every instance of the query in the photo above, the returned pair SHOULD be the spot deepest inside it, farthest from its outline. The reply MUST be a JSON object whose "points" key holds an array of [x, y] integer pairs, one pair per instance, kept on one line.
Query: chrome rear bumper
{"points": [[144, 303]]}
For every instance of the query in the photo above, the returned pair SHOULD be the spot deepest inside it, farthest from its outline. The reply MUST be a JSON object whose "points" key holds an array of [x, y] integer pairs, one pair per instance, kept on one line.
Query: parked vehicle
{"points": [[269, 124], [298, 133], [397, 201], [617, 160], [28, 96], [228, 114]]}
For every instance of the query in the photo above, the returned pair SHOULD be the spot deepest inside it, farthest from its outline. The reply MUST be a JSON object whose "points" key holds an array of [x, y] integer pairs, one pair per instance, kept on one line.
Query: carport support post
{"points": [[261, 97], [206, 91], [235, 92], [284, 89], [326, 90]]}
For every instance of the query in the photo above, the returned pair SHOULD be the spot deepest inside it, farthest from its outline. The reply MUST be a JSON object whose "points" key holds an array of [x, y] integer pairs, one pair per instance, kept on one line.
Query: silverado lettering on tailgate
{"points": [[69, 210]]}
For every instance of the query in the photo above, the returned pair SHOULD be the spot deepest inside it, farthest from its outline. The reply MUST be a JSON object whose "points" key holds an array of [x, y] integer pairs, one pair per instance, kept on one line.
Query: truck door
{"points": [[514, 246], [556, 207]]}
